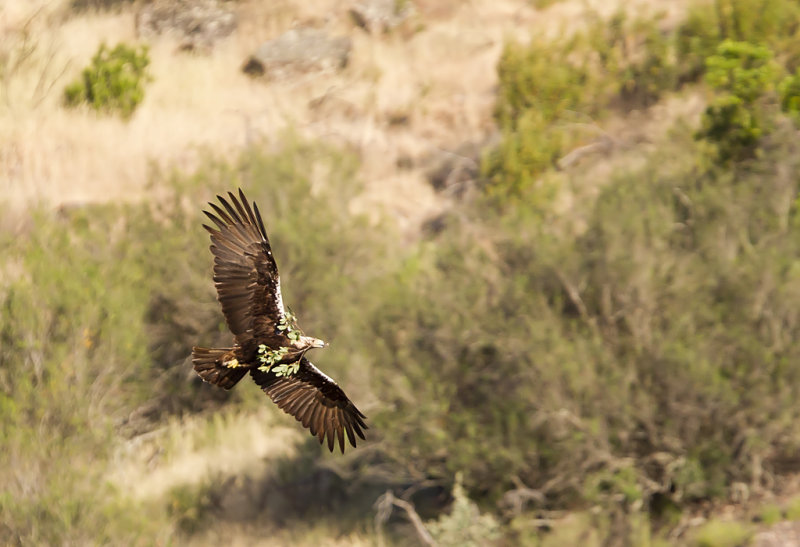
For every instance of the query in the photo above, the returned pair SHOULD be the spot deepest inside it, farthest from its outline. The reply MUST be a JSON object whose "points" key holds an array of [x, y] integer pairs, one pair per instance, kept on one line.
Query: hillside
{"points": [[552, 244], [405, 98]]}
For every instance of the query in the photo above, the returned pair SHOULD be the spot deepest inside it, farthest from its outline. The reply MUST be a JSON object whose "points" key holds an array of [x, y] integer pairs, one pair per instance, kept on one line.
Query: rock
{"points": [[299, 51], [455, 172], [198, 24], [381, 15]]}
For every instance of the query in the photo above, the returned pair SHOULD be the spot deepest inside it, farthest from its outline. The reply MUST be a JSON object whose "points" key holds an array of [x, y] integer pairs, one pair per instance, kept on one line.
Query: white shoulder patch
{"points": [[318, 371], [281, 309]]}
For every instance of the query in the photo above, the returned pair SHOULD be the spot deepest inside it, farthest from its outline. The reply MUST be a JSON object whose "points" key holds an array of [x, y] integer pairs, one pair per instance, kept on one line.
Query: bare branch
{"points": [[602, 145], [383, 507]]}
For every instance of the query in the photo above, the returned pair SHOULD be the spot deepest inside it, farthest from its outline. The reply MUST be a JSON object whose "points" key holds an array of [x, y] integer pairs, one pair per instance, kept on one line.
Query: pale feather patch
{"points": [[318, 371], [281, 309]]}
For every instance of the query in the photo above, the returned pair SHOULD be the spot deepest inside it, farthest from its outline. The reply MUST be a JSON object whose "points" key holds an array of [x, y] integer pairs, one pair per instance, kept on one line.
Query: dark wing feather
{"points": [[245, 273], [315, 401]]}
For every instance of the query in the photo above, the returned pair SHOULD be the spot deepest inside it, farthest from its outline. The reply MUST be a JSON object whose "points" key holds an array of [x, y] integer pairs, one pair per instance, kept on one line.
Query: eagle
{"points": [[268, 343]]}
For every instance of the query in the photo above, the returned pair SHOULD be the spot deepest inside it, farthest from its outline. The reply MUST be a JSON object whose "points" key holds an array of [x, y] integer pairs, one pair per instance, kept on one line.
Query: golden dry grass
{"points": [[436, 74], [190, 450], [320, 535]]}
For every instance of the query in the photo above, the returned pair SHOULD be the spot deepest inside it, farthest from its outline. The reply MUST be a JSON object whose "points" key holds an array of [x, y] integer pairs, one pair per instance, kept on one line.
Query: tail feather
{"points": [[208, 364]]}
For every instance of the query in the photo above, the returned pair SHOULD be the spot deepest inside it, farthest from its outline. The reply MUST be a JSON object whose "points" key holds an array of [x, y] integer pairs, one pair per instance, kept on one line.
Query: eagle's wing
{"points": [[316, 401], [245, 273]]}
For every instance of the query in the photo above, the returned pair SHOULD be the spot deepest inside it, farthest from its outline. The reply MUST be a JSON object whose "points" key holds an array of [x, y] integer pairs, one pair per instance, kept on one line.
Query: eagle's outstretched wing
{"points": [[316, 401], [245, 273]]}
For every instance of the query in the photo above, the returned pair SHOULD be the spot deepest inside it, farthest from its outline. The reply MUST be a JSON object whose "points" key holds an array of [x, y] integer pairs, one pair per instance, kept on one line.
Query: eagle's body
{"points": [[267, 342]]}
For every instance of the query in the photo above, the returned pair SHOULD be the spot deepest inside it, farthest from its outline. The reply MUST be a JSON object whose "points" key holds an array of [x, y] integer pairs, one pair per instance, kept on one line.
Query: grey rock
{"points": [[198, 24], [381, 15], [455, 172], [299, 51]]}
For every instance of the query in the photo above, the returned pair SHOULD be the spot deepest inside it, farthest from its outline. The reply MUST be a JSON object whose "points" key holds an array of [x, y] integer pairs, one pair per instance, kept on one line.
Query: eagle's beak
{"points": [[320, 344]]}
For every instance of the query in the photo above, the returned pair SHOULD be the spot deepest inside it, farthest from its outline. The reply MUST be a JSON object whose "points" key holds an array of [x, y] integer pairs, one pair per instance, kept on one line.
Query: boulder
{"points": [[381, 15], [455, 172], [198, 24], [299, 51]]}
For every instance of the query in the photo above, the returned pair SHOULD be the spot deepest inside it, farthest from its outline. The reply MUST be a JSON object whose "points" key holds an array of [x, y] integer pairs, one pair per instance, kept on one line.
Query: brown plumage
{"points": [[267, 342]]}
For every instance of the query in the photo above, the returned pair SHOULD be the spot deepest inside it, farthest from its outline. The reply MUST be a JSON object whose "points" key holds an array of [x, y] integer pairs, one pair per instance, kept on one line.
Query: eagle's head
{"points": [[308, 342]]}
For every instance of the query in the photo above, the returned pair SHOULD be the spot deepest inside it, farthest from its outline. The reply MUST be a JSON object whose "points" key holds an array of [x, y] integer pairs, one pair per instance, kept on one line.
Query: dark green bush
{"points": [[733, 127], [113, 82], [741, 73]]}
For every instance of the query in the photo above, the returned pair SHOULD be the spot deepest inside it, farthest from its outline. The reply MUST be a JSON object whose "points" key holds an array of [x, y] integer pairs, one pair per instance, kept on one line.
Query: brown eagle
{"points": [[267, 341]]}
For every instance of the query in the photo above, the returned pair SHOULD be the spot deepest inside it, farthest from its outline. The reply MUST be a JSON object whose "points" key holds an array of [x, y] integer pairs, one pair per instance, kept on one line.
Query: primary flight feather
{"points": [[267, 341]]}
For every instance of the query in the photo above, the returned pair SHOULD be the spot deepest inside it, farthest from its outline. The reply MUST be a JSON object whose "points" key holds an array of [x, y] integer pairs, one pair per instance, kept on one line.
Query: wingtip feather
{"points": [[340, 434]]}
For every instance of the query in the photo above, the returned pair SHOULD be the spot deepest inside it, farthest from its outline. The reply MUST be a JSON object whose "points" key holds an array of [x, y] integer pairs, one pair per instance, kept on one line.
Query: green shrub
{"points": [[734, 128], [770, 22], [538, 88], [771, 514], [551, 91], [741, 69], [113, 82], [190, 506], [539, 77], [718, 533], [636, 60], [741, 74], [793, 509], [465, 525], [789, 91]]}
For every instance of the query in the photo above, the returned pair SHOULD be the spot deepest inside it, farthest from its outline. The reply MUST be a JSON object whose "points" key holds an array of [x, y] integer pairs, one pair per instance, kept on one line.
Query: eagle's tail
{"points": [[218, 366]]}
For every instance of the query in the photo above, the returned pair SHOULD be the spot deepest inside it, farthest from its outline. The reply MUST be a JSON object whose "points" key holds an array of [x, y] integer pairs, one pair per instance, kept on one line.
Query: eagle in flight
{"points": [[267, 341]]}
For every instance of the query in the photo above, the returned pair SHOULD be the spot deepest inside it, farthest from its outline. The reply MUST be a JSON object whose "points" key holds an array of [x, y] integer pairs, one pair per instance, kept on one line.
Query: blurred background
{"points": [[554, 245]]}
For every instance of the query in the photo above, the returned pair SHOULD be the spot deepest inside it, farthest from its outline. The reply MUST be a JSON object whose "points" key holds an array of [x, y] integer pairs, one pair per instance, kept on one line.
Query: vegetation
{"points": [[742, 74], [790, 95], [759, 22], [101, 323], [722, 534], [113, 82], [514, 365], [551, 92], [85, 5], [464, 525]]}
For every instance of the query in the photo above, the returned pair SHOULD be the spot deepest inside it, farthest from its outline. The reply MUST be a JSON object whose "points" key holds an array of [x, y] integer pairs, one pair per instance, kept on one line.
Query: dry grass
{"points": [[190, 450], [319, 535], [427, 86]]}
